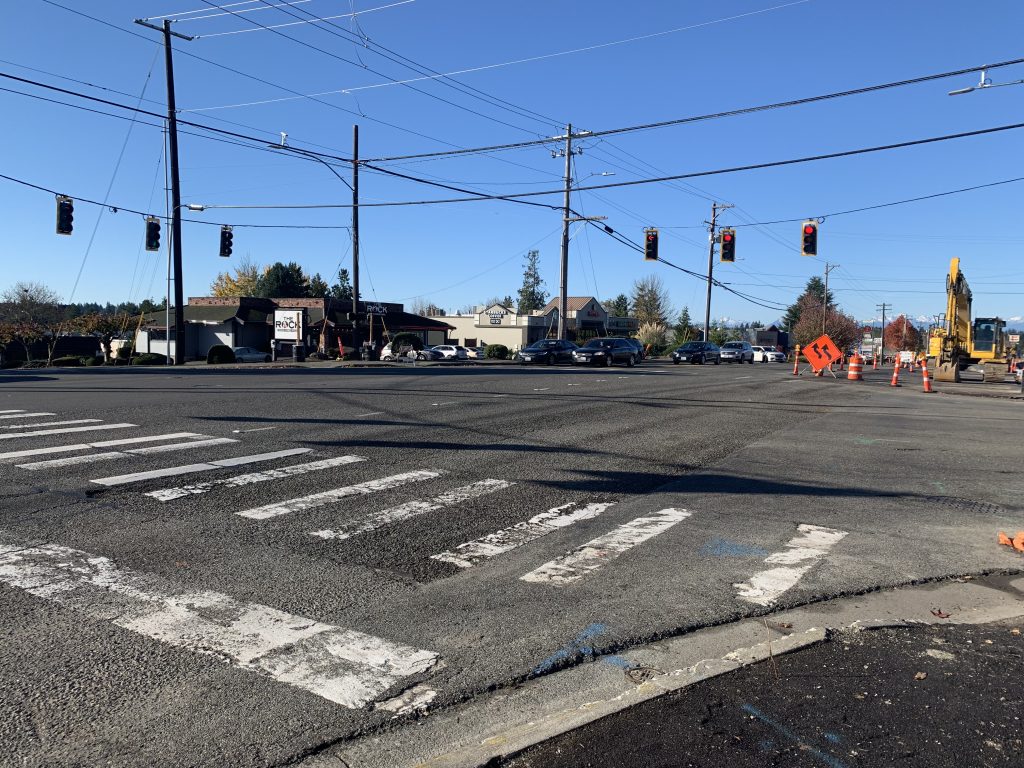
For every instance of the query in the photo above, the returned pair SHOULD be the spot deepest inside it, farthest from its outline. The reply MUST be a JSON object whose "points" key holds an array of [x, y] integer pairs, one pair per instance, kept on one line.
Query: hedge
{"points": [[220, 353], [496, 352], [149, 358]]}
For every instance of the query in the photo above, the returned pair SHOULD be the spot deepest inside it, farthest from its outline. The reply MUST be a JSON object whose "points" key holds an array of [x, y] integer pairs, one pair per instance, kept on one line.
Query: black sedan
{"points": [[547, 351], [606, 352], [697, 352]]}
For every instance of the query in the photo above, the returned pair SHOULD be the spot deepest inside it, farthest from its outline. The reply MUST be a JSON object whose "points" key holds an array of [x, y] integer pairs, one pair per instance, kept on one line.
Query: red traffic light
{"points": [[650, 238], [727, 238], [808, 229]]}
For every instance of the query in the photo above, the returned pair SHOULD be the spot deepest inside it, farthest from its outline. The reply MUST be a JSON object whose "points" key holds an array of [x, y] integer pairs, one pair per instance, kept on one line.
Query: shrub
{"points": [[94, 360], [496, 352], [124, 352], [67, 361], [34, 364], [406, 340], [7, 364], [149, 358], [220, 353]]}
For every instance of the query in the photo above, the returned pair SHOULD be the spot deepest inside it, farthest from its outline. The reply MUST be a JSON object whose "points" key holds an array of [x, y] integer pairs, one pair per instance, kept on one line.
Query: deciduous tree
{"points": [[244, 282], [901, 334]]}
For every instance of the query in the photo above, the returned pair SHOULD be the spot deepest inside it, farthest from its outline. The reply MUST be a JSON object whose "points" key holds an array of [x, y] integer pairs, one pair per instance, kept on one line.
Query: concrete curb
{"points": [[507, 721]]}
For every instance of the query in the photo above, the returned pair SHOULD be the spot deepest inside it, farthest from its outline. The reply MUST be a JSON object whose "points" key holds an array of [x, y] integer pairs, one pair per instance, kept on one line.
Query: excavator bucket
{"points": [[995, 372], [948, 372]]}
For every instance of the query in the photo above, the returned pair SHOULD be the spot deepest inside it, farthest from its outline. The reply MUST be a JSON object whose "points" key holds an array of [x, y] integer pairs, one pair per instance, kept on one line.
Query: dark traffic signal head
{"points": [[65, 215], [728, 251], [225, 241], [651, 244], [809, 239], [152, 233]]}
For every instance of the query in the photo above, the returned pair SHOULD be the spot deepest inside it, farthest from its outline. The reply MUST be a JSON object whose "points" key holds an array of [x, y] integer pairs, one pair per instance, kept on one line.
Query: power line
{"points": [[727, 113]]}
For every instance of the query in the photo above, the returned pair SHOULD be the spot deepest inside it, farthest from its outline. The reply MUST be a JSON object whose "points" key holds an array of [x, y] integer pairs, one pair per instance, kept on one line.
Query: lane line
{"points": [[51, 424], [337, 494], [474, 552], [576, 564], [450, 402], [138, 477], [371, 413], [800, 555], [26, 415], [41, 432], [254, 429], [169, 494], [14, 410], [541, 389], [101, 444], [738, 378], [341, 665], [414, 508]]}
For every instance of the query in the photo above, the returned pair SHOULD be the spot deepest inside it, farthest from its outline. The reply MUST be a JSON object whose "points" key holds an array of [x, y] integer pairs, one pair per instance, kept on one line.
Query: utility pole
{"points": [[715, 208], [355, 240], [172, 135], [883, 307], [563, 274], [824, 304]]}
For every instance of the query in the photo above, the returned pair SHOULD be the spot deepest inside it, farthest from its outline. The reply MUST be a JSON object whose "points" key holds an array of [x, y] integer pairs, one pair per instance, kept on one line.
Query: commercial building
{"points": [[498, 324]]}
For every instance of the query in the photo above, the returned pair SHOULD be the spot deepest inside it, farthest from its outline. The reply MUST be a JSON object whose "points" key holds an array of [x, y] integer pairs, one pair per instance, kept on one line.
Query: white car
{"points": [[768, 355], [452, 352], [250, 355]]}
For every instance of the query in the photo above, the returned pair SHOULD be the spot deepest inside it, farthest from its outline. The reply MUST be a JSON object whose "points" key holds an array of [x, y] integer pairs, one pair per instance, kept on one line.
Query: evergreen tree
{"points": [[318, 288], [342, 289], [815, 291], [684, 330], [283, 281], [532, 294], [619, 306], [650, 301]]}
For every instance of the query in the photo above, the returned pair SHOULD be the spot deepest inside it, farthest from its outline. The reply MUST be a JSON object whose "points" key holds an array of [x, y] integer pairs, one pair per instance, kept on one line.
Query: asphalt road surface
{"points": [[247, 566]]}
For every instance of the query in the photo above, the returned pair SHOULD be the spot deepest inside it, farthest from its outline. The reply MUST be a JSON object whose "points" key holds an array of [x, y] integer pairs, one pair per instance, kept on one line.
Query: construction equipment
{"points": [[957, 342]]}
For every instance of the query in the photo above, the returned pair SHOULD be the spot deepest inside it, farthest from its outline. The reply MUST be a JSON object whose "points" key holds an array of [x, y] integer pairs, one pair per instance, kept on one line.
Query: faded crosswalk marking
{"points": [[594, 554], [206, 466], [341, 665], [473, 552], [801, 553]]}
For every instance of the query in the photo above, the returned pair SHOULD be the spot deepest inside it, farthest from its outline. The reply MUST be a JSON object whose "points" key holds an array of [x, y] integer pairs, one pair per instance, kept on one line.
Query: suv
{"points": [[452, 352], [737, 352]]}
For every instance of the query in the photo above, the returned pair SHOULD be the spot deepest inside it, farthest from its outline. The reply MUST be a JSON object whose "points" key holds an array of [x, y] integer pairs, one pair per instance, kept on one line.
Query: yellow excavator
{"points": [[958, 343]]}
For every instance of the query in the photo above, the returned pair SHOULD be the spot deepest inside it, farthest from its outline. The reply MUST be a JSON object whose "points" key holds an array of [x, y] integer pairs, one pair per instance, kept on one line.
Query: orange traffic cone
{"points": [[796, 361], [842, 361], [912, 368], [874, 362], [924, 377], [895, 375]]}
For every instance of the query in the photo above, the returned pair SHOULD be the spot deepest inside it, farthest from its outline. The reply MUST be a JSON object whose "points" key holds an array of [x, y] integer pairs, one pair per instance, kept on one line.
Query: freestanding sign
{"points": [[821, 352], [288, 324]]}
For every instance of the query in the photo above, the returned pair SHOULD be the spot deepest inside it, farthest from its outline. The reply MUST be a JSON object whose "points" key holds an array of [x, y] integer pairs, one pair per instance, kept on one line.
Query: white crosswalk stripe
{"points": [[26, 415], [341, 665], [799, 556], [14, 410], [169, 494], [51, 424], [66, 430], [206, 466], [414, 508], [474, 552], [337, 494], [596, 553], [90, 458], [100, 444]]}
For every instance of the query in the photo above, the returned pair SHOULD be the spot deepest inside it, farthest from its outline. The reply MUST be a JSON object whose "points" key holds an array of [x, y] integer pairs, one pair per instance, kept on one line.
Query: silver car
{"points": [[250, 355], [737, 352]]}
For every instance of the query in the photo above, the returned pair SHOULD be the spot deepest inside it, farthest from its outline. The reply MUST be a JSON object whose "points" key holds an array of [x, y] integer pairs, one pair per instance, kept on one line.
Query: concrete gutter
{"points": [[509, 720]]}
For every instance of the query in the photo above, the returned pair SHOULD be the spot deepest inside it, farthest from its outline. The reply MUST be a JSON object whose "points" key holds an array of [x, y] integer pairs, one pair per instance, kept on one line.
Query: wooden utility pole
{"points": [[355, 240]]}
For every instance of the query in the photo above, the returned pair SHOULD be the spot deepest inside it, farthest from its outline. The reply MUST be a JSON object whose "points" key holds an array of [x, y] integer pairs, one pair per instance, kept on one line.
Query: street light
{"points": [[983, 83]]}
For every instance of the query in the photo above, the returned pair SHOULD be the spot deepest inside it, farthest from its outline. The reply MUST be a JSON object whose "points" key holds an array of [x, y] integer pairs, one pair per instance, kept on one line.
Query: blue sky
{"points": [[708, 58]]}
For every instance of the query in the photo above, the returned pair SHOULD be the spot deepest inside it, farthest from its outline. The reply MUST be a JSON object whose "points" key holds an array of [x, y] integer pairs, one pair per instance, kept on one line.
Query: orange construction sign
{"points": [[821, 352]]}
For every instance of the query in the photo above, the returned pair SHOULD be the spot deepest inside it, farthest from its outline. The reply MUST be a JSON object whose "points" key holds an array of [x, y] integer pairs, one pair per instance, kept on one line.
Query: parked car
{"points": [[737, 352], [547, 351], [452, 352], [427, 353], [697, 353], [768, 355], [476, 353], [605, 352], [250, 355], [1018, 371], [640, 351]]}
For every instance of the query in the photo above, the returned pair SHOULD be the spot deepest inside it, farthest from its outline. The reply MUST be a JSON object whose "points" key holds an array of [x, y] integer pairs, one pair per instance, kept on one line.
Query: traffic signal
{"points": [[728, 250], [651, 244], [152, 233], [225, 241], [809, 242], [65, 214]]}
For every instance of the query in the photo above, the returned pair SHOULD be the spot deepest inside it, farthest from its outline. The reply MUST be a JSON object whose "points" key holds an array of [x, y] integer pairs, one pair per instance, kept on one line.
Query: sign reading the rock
{"points": [[288, 324], [821, 352]]}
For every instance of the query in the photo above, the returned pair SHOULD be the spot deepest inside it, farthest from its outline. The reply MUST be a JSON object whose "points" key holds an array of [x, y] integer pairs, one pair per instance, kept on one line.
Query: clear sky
{"points": [[538, 65]]}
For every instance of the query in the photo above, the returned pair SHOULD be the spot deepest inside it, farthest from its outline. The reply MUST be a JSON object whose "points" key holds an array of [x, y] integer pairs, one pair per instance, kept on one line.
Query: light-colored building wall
{"points": [[498, 325]]}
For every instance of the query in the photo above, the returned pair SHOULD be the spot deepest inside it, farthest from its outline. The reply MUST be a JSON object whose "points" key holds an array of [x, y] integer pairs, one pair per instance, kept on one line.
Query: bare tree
{"points": [[31, 312]]}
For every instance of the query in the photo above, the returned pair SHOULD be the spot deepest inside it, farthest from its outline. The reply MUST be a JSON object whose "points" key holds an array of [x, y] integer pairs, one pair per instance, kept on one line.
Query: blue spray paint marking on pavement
{"points": [[782, 730], [835, 738], [579, 646], [725, 548], [617, 661]]}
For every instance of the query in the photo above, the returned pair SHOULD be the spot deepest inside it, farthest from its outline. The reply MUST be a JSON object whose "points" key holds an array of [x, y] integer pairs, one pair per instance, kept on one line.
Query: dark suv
{"points": [[549, 351], [606, 352], [696, 352]]}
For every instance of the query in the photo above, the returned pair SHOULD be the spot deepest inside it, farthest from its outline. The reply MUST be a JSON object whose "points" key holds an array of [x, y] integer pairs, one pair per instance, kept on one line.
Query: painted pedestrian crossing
{"points": [[99, 444], [50, 424], [341, 665], [187, 469], [90, 458], [65, 430], [791, 563], [24, 415]]}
